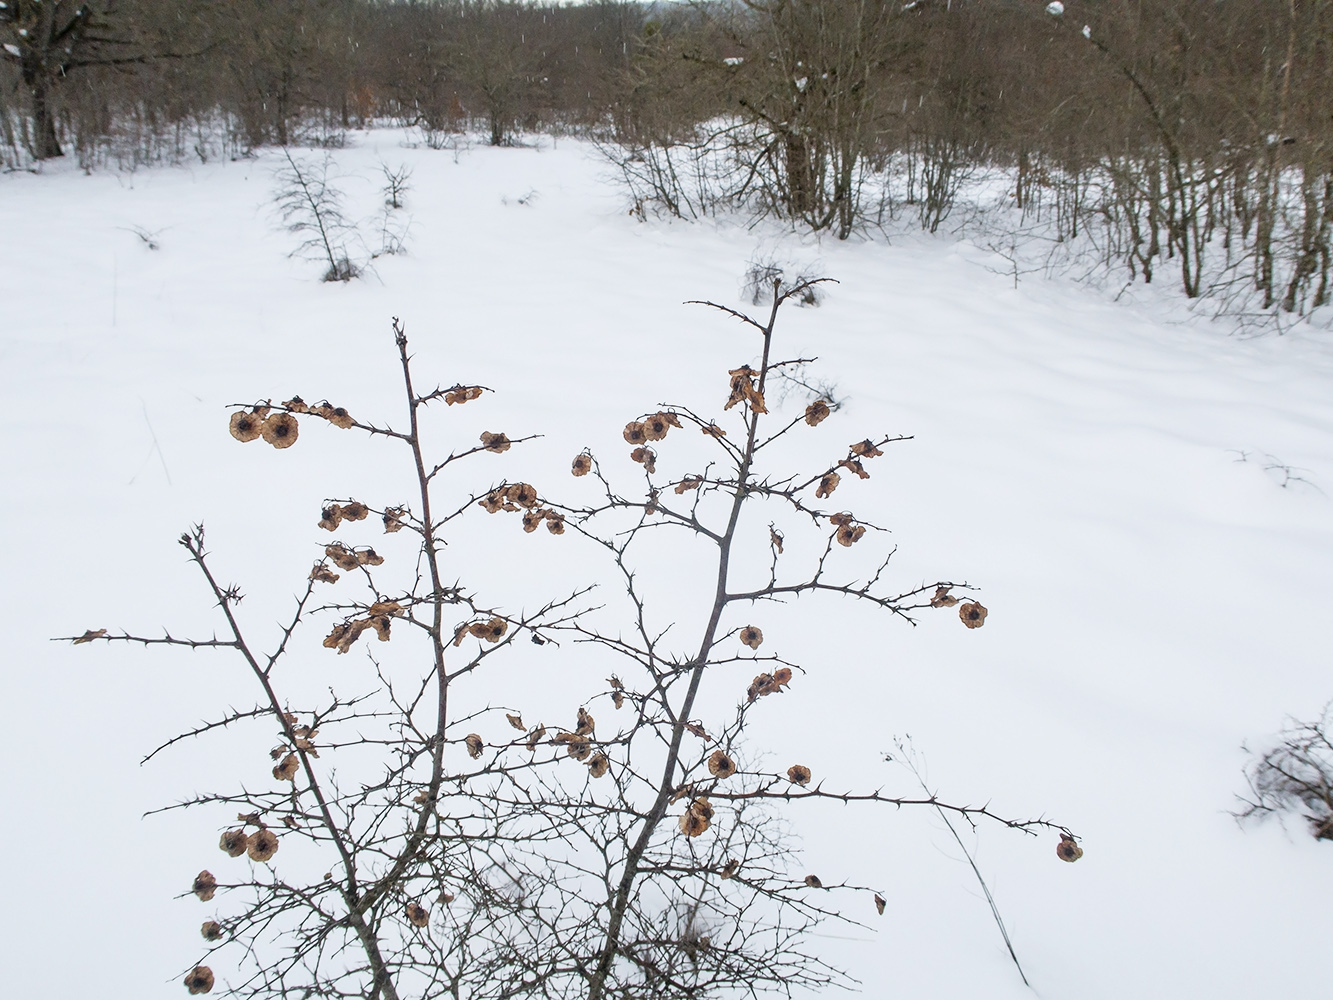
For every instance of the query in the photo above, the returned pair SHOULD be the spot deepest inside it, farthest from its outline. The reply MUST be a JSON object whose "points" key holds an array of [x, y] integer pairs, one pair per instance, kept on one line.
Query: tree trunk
{"points": [[45, 142]]}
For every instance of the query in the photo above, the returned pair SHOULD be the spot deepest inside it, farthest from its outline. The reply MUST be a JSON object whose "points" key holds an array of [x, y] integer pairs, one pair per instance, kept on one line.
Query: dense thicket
{"points": [[1155, 134]]}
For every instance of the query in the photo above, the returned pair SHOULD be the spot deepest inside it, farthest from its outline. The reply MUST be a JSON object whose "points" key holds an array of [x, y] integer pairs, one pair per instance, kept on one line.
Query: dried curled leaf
{"points": [[582, 464], [474, 745], [286, 771], [417, 915], [535, 737], [330, 517], [335, 415], [879, 904], [343, 558], [798, 774], [828, 482], [646, 457], [689, 483], [516, 721], [262, 845], [297, 405], [491, 631], [461, 394], [817, 412], [775, 538], [972, 614], [89, 635], [942, 598], [849, 534], [751, 636], [393, 520], [1068, 849], [852, 465], [766, 684], [865, 449], [555, 524], [495, 442], [355, 511], [199, 980], [586, 723], [204, 885], [522, 494], [720, 765], [368, 557], [714, 431]]}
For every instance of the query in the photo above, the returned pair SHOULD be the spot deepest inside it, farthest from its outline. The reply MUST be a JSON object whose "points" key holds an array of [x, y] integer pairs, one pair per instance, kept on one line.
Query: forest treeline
{"points": [[1190, 141]]}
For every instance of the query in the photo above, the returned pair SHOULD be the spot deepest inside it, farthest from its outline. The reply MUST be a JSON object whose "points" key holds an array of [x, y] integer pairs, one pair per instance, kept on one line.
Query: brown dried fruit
{"points": [[635, 432], [516, 721], [879, 904], [381, 624], [798, 774], [245, 426], [280, 430], [599, 765], [942, 598], [493, 501], [369, 557], [972, 614], [199, 980], [417, 915], [474, 745], [766, 684], [496, 442], [813, 882], [577, 747], [204, 885], [849, 534], [337, 416], [343, 558], [355, 511], [491, 631], [261, 845], [555, 523], [655, 427], [233, 842], [817, 412], [330, 517], [582, 464], [751, 636], [697, 818], [827, 484], [865, 449], [585, 723], [720, 765], [1068, 850], [211, 930], [782, 676], [523, 494], [647, 457], [532, 520]]}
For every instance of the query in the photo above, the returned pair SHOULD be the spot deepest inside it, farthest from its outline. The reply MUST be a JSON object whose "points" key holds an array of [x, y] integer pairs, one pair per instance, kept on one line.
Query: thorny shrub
{"points": [[638, 851], [1295, 774]]}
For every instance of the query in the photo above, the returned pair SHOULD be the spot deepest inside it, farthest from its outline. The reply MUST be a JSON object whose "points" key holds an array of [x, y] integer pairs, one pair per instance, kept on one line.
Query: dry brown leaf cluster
{"points": [[879, 904], [730, 868], [516, 721], [766, 684], [697, 818], [393, 519], [813, 881]]}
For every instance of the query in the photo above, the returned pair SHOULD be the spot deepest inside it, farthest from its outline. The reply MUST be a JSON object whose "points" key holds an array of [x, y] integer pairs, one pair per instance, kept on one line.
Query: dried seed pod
{"points": [[393, 520], [689, 483], [233, 842], [851, 465], [1068, 849], [720, 765], [523, 494], [204, 885], [598, 765], [618, 699], [533, 519], [586, 723], [337, 416], [297, 405], [491, 631], [865, 449], [199, 980], [714, 431], [646, 457], [555, 524], [322, 574], [817, 412], [582, 464], [330, 517], [369, 557], [972, 614], [343, 558], [245, 426], [942, 598], [697, 818], [493, 501], [827, 484], [262, 845], [211, 930], [798, 774], [577, 747], [879, 904], [635, 432], [495, 443], [474, 745], [461, 394], [751, 636], [813, 882], [417, 915], [280, 430], [849, 534], [655, 427], [355, 511], [730, 868], [516, 721]]}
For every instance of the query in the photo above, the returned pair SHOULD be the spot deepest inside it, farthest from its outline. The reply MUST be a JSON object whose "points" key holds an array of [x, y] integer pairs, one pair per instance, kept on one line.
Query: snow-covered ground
{"points": [[1117, 479]]}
